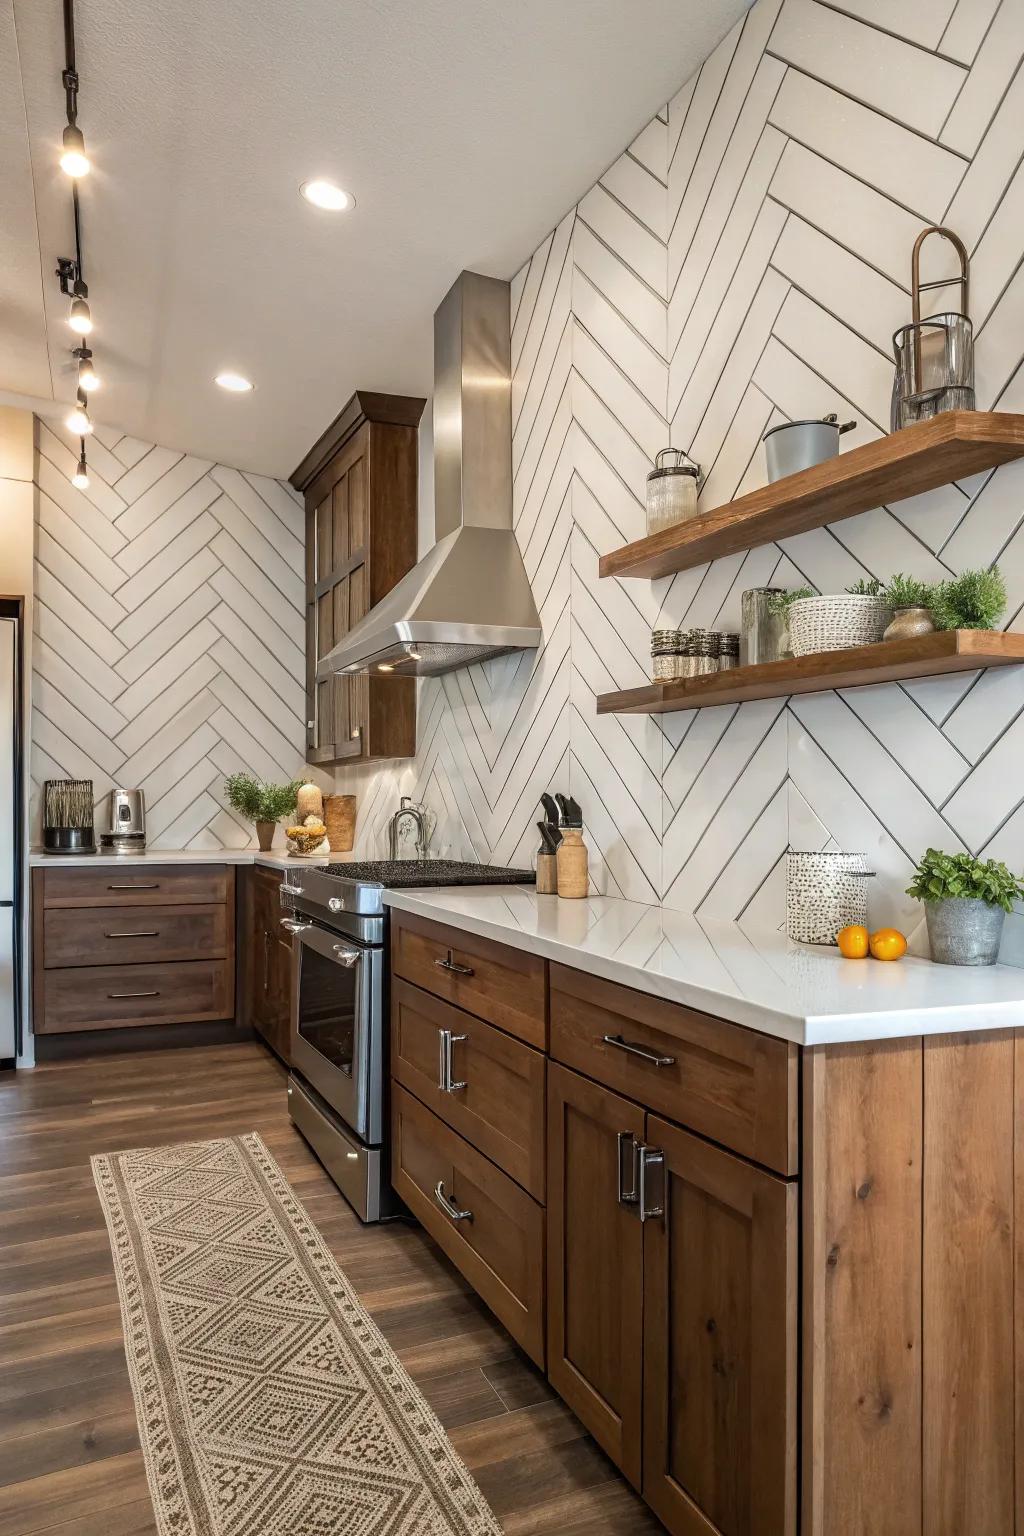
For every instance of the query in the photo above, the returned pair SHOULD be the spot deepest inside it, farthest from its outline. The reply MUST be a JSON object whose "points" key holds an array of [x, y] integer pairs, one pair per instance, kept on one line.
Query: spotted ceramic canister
{"points": [[824, 892]]}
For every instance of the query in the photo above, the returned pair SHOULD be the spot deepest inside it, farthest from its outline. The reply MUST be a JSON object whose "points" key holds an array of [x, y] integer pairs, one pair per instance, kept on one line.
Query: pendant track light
{"points": [[78, 421], [88, 379], [80, 478], [74, 161]]}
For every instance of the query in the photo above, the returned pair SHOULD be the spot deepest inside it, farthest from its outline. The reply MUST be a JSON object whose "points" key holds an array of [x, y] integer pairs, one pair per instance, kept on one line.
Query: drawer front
{"points": [[484, 1083], [136, 885], [505, 986], [121, 935], [498, 1243], [118, 996], [730, 1084]]}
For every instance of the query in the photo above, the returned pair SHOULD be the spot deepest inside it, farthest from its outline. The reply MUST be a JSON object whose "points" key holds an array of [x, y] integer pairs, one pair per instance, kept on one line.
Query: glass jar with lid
{"points": [[672, 488]]}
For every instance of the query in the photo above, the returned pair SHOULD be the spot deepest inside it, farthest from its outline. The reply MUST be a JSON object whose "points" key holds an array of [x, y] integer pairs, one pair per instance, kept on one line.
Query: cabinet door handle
{"points": [[135, 933], [638, 1050], [133, 994], [267, 938], [448, 1042], [448, 1205], [135, 885], [650, 1157], [628, 1140], [453, 966]]}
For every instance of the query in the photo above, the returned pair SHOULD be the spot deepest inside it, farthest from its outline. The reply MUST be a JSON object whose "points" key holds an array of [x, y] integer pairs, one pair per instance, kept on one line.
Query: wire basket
{"points": [[824, 892], [836, 622]]}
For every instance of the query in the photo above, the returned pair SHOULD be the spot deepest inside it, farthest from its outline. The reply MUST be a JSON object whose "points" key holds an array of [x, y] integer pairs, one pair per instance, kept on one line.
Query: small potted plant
{"points": [[261, 803], [965, 904], [972, 600], [838, 620], [911, 602]]}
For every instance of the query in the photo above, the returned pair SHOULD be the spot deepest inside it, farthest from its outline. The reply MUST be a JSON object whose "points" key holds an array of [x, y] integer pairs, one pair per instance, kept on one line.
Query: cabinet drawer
{"points": [[728, 1083], [499, 1243], [135, 885], [503, 985], [121, 935], [496, 1097], [116, 996]]}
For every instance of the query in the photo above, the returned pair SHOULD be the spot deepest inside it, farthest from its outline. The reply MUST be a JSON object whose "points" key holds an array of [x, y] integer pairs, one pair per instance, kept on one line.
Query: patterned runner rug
{"points": [[268, 1402]]}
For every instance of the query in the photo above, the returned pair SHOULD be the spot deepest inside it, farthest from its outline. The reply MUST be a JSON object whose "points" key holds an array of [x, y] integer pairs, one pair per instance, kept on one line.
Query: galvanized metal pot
{"points": [[963, 930]]}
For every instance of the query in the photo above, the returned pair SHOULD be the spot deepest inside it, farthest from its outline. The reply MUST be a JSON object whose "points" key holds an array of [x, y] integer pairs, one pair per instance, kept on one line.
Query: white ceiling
{"points": [[464, 128]]}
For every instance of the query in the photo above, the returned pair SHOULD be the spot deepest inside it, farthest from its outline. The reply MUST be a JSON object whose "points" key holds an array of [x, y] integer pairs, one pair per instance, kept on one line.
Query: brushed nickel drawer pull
{"points": [[135, 933], [453, 966], [133, 994], [638, 1050], [448, 1205], [135, 885]]}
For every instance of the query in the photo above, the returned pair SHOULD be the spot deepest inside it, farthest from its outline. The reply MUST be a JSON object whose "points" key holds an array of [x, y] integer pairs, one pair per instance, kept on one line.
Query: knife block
{"points": [[573, 864], [547, 874]]}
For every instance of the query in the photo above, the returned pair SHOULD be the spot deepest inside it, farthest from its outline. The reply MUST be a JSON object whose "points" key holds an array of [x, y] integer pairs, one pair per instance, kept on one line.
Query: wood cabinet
{"points": [[115, 947], [265, 950], [360, 486]]}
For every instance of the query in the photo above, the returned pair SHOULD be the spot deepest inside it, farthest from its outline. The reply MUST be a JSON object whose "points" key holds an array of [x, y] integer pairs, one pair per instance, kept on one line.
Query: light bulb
{"points": [[385, 666], [88, 379], [78, 421], [74, 161], [80, 478], [324, 194], [80, 318], [236, 383]]}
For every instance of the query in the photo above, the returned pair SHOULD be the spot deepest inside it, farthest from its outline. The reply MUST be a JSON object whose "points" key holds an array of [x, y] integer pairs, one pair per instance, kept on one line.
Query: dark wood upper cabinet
{"points": [[360, 484]]}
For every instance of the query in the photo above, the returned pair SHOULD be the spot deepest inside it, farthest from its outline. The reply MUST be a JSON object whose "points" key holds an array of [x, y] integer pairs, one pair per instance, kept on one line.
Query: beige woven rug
{"points": [[268, 1402]]}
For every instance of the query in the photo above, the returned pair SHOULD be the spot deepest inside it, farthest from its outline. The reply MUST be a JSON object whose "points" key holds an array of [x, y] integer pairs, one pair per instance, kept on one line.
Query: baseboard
{"points": [[147, 1037]]}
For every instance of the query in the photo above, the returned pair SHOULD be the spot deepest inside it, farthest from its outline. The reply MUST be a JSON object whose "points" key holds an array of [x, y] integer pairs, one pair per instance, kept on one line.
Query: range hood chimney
{"points": [[469, 599]]}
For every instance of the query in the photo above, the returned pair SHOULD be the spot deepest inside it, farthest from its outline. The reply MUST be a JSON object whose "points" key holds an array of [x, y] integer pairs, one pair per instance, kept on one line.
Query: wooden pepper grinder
{"points": [[572, 858]]}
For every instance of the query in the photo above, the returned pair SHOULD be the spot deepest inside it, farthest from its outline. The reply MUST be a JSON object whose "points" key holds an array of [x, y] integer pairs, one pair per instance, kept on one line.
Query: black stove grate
{"points": [[409, 874]]}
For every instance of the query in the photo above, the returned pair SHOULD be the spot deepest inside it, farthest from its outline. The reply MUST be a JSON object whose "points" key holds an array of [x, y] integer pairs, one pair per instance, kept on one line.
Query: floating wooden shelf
{"points": [[950, 650], [932, 453]]}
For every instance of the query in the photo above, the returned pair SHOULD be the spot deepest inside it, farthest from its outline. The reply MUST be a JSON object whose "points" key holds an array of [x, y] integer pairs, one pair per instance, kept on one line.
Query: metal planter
{"points": [[963, 930]]}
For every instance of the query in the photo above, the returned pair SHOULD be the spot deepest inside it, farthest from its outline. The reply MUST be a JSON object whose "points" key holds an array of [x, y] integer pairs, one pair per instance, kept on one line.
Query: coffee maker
{"points": [[127, 822]]}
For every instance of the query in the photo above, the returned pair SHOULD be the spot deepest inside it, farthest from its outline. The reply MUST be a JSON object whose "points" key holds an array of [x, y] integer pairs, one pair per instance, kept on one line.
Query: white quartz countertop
{"points": [[799, 992], [273, 860]]}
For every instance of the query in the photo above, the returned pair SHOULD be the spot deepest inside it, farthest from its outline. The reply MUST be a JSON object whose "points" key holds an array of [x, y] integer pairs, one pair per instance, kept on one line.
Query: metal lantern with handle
{"points": [[934, 356]]}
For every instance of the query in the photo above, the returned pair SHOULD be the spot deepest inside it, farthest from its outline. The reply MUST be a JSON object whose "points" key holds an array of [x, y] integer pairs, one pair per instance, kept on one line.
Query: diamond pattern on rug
{"points": [[268, 1402]]}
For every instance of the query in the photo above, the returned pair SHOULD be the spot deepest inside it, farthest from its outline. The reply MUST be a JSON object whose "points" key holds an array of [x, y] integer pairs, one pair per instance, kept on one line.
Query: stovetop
{"points": [[413, 874]]}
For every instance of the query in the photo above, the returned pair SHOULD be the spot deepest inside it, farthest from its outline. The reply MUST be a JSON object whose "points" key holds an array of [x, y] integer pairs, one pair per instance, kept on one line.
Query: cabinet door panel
{"points": [[720, 1328], [595, 1259]]}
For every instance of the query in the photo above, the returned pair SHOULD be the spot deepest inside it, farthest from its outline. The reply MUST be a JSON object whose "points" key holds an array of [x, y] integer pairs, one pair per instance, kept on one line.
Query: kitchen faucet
{"points": [[406, 808]]}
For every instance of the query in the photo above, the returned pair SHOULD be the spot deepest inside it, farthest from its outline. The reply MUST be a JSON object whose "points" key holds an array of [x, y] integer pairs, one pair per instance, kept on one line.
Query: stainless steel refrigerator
{"points": [[10, 832]]}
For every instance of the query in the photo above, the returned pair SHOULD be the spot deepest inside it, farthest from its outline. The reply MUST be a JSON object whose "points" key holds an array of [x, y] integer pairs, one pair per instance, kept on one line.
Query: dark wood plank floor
{"points": [[70, 1461]]}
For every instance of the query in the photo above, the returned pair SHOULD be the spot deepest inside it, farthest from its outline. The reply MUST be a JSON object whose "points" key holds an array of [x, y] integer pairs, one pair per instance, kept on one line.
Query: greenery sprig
{"points": [[908, 592], [941, 876], [780, 602], [866, 587], [258, 801], [972, 600]]}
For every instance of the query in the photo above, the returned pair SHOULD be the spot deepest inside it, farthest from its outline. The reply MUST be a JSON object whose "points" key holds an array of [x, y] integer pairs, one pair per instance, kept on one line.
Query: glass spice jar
{"points": [[672, 487]]}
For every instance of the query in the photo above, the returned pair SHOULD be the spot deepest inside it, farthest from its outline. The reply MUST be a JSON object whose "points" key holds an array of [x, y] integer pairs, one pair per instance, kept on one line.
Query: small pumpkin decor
{"points": [[307, 839]]}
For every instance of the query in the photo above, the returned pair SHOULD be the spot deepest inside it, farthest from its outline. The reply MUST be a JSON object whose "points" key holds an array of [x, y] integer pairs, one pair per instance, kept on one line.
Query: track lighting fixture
{"points": [[80, 317], [88, 379], [78, 421], [80, 478], [74, 161]]}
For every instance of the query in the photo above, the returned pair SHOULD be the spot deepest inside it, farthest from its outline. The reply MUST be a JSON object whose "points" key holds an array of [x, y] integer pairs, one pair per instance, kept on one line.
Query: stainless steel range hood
{"points": [[469, 598]]}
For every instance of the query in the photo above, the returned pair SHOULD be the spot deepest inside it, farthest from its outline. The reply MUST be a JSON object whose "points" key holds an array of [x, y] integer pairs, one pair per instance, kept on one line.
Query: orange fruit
{"points": [[853, 941], [888, 944]]}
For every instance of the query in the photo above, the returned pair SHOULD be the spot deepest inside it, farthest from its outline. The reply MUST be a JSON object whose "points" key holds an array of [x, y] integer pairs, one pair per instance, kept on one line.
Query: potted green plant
{"points": [[261, 803], [972, 600], [965, 904], [910, 601]]}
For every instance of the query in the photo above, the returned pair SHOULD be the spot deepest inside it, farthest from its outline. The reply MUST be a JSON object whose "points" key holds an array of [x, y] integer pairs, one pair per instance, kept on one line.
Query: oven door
{"points": [[336, 1023]]}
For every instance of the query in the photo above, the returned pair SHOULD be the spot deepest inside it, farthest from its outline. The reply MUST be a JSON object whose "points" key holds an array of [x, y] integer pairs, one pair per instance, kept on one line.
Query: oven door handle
{"points": [[294, 927], [345, 956]]}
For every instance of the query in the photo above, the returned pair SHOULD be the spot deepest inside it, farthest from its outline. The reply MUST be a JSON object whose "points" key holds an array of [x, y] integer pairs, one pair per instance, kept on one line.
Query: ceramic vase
{"points": [[265, 835], [907, 622]]}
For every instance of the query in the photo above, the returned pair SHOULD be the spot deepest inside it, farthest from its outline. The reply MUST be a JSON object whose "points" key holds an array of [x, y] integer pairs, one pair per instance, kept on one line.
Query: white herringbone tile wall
{"points": [[745, 261], [168, 648]]}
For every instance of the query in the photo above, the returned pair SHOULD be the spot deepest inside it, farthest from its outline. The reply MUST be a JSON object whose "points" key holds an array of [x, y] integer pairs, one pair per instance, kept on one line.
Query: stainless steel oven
{"points": [[337, 1023]]}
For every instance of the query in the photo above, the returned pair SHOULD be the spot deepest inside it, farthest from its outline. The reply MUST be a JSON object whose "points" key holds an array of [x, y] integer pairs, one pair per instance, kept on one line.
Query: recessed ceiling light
{"points": [[235, 382], [324, 194]]}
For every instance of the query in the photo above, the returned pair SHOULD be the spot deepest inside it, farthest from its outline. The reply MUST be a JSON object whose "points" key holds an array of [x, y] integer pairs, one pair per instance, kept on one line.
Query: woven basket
{"points": [[836, 622]]}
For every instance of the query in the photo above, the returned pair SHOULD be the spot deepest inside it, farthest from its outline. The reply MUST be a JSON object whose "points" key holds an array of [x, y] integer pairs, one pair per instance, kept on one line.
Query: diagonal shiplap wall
{"points": [[746, 261], [169, 631]]}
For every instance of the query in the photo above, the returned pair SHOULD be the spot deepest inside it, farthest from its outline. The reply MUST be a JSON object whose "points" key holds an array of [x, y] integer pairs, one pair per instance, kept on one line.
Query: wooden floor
{"points": [[69, 1449]]}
